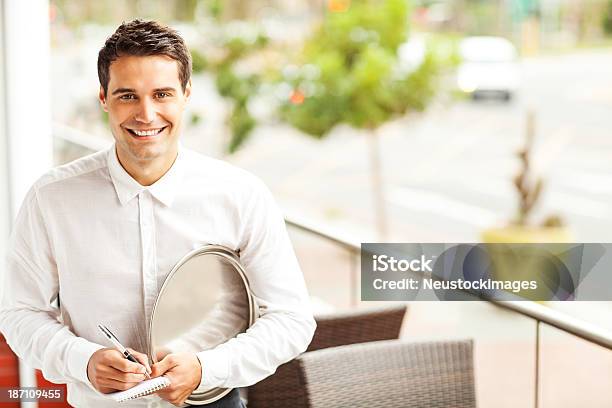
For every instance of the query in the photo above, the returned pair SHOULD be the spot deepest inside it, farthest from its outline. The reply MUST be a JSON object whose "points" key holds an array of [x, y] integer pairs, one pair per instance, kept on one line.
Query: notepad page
{"points": [[144, 388]]}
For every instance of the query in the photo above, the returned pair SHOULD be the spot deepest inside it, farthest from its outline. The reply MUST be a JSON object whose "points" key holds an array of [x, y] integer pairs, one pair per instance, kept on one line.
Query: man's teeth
{"points": [[146, 132]]}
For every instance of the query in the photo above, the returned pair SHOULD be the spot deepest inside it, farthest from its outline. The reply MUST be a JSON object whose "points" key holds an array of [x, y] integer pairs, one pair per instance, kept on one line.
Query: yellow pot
{"points": [[518, 234], [511, 268]]}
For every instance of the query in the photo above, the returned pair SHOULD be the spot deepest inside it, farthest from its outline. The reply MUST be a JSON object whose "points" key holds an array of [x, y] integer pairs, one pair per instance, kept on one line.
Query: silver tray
{"points": [[204, 301]]}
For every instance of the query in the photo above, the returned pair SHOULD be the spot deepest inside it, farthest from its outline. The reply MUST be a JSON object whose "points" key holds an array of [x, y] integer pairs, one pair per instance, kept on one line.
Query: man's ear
{"points": [[188, 89], [102, 98]]}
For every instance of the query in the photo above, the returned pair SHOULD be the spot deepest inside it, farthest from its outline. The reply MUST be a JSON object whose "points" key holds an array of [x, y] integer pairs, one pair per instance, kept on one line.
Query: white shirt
{"points": [[92, 234]]}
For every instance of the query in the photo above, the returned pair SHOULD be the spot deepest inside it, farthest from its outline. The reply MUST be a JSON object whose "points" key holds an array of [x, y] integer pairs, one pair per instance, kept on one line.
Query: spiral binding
{"points": [[145, 392]]}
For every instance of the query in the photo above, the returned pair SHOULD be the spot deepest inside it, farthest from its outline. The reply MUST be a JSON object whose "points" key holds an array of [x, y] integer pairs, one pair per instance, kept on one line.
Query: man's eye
{"points": [[162, 95], [127, 97]]}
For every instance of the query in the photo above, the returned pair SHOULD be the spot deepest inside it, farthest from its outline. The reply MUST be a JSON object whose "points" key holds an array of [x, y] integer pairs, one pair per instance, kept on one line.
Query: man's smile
{"points": [[140, 133]]}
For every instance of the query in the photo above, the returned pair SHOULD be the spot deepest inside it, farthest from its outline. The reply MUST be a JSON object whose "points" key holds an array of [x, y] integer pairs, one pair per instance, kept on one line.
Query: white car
{"points": [[489, 66]]}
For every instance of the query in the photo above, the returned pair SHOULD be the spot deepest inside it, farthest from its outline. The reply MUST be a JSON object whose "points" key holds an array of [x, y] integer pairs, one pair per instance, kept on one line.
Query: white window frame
{"points": [[26, 144]]}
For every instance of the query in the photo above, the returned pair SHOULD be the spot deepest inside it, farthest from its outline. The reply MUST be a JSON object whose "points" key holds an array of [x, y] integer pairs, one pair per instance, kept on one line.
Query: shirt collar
{"points": [[164, 189]]}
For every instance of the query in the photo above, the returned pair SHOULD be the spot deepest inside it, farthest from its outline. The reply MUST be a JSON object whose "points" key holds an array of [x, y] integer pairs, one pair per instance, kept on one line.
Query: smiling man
{"points": [[95, 239]]}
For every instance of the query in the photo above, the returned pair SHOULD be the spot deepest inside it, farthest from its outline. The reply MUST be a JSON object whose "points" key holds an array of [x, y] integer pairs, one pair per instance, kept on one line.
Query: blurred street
{"points": [[448, 172]]}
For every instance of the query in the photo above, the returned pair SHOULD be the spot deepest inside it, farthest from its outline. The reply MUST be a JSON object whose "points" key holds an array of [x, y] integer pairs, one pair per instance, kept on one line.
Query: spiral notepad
{"points": [[144, 388]]}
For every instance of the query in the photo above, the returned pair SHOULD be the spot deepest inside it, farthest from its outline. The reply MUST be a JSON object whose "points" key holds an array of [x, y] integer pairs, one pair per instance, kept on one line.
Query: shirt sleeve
{"points": [[29, 315], [286, 325]]}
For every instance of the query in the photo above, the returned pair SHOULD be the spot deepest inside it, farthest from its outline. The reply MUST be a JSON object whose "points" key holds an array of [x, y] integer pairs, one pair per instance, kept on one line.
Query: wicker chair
{"points": [[285, 388], [390, 374]]}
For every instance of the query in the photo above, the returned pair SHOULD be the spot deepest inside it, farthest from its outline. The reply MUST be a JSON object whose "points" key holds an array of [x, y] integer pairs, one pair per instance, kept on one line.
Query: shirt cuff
{"points": [[215, 368], [78, 358]]}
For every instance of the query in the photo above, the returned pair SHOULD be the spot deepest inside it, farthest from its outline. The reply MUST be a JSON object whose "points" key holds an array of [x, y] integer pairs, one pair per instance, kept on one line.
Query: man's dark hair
{"points": [[144, 38]]}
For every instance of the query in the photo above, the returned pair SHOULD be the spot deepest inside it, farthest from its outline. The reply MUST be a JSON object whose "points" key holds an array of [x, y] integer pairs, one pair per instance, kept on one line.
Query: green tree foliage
{"points": [[349, 71], [198, 61], [607, 18], [239, 88]]}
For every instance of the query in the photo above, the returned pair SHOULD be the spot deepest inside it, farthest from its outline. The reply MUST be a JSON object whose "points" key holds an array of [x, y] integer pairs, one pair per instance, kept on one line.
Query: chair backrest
{"points": [[285, 388], [358, 326], [391, 374]]}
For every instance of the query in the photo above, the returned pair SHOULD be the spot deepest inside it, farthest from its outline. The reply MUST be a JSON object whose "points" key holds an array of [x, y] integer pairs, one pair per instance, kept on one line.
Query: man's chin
{"points": [[146, 154], [143, 152]]}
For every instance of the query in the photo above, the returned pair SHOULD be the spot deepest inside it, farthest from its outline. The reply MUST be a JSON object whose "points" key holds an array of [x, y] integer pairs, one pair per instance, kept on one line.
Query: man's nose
{"points": [[146, 111]]}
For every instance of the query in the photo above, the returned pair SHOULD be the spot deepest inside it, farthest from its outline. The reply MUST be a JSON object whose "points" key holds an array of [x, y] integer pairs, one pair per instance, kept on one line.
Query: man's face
{"points": [[145, 103]]}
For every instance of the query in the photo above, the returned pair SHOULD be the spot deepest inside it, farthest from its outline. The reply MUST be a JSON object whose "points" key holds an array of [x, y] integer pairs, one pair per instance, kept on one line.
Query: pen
{"points": [[109, 335]]}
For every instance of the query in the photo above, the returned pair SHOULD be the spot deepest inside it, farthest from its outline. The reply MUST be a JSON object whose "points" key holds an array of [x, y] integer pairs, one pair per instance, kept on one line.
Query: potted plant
{"points": [[529, 189]]}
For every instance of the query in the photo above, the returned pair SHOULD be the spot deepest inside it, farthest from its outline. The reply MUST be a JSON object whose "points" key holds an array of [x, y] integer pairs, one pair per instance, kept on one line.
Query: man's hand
{"points": [[161, 352], [184, 372], [108, 371]]}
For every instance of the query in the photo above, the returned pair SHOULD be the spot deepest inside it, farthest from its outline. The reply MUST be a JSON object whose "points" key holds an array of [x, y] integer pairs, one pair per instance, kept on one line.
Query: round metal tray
{"points": [[204, 301]]}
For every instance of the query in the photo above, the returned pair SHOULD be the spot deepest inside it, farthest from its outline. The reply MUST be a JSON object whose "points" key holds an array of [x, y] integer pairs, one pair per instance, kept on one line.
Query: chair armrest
{"points": [[358, 326]]}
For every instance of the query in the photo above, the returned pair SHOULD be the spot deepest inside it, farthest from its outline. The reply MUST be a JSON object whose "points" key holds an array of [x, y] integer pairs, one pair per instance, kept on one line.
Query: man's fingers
{"points": [[142, 359], [161, 352], [116, 385], [109, 371], [122, 364], [118, 375], [124, 377], [164, 365]]}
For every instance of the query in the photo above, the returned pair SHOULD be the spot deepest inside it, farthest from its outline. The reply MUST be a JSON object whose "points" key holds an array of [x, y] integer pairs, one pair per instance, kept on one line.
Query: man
{"points": [[102, 232]]}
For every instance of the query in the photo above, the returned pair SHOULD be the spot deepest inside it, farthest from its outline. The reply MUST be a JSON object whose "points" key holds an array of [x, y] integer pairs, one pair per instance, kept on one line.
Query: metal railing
{"points": [[534, 310], [537, 312]]}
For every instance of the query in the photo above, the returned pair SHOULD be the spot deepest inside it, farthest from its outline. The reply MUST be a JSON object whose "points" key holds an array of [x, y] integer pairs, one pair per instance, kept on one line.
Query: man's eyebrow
{"points": [[129, 90], [166, 89], [122, 90]]}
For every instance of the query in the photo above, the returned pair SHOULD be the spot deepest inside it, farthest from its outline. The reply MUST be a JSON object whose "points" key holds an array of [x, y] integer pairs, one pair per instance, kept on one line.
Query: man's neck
{"points": [[146, 172]]}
